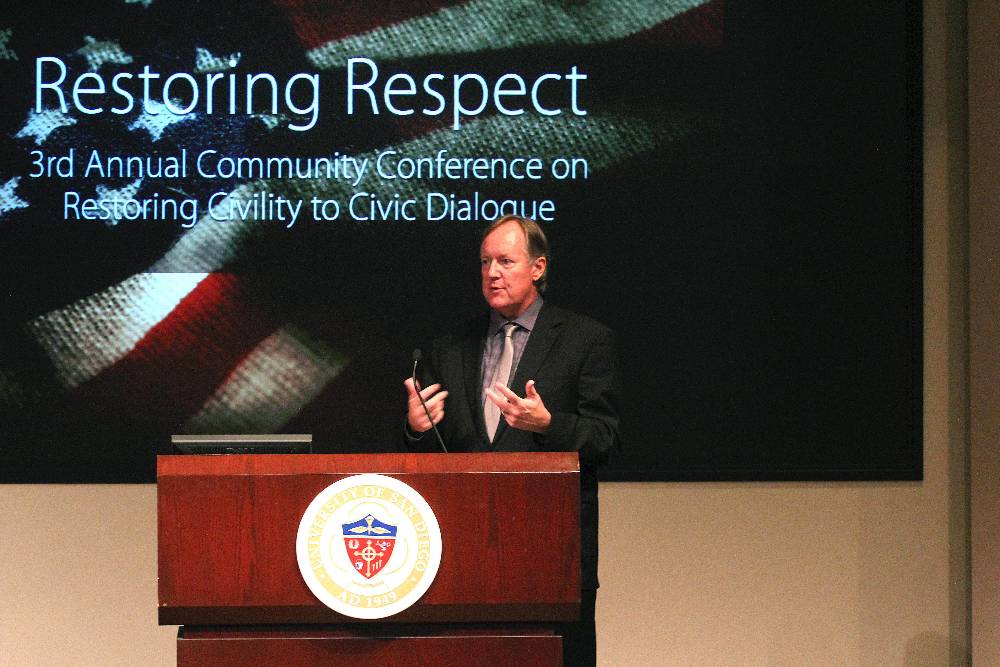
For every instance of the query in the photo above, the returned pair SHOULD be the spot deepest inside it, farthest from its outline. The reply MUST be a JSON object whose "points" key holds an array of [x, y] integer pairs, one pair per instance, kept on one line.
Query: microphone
{"points": [[417, 356]]}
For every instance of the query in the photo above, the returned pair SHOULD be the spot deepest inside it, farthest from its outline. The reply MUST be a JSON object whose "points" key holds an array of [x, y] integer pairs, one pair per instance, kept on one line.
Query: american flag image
{"points": [[119, 332]]}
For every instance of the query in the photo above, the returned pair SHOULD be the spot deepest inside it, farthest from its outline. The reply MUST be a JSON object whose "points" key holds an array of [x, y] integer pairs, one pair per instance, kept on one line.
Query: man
{"points": [[566, 364]]}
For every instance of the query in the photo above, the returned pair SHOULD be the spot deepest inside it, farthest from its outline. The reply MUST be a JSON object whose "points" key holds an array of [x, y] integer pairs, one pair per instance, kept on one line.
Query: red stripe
{"points": [[703, 25], [182, 360], [317, 22]]}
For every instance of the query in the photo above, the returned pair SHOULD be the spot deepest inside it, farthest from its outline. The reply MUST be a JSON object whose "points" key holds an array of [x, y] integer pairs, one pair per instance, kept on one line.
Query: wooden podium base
{"points": [[417, 646]]}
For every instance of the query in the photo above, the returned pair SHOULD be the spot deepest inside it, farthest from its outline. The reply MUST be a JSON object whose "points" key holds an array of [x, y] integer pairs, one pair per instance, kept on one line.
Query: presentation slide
{"points": [[243, 217]]}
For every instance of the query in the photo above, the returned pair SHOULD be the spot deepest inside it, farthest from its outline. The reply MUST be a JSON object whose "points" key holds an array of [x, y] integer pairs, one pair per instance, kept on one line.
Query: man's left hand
{"points": [[528, 413]]}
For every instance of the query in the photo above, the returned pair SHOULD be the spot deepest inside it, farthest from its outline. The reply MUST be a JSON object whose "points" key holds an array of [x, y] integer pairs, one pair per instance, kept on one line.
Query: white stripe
{"points": [[602, 139], [93, 333], [283, 374], [490, 25], [210, 244]]}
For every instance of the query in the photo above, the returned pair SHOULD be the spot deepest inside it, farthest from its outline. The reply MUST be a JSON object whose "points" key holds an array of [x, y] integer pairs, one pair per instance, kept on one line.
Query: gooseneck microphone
{"points": [[417, 356]]}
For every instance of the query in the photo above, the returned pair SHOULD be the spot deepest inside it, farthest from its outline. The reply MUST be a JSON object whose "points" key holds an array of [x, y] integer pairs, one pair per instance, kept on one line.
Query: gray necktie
{"points": [[502, 374]]}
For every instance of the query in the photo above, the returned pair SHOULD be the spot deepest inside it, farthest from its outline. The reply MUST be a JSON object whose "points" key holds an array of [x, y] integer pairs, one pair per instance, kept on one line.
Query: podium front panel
{"points": [[228, 524]]}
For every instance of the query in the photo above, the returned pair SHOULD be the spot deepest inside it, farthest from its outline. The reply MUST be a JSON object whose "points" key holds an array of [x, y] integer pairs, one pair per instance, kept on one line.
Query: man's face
{"points": [[508, 274]]}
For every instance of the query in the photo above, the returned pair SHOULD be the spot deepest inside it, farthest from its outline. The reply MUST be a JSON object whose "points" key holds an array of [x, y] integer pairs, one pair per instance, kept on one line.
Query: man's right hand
{"points": [[416, 417]]}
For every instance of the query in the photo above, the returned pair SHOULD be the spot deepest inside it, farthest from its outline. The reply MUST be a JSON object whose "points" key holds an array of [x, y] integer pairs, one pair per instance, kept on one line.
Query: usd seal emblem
{"points": [[368, 546]]}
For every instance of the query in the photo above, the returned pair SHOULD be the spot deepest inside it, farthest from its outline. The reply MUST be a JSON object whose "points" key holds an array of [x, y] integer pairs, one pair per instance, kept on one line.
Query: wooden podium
{"points": [[509, 572]]}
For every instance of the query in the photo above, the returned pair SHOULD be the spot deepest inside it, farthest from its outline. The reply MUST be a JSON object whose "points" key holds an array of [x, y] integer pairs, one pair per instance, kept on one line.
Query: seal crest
{"points": [[368, 546]]}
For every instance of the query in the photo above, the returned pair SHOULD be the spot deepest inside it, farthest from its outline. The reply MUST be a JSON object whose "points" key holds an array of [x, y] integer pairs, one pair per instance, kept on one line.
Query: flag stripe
{"points": [[181, 360], [602, 139], [701, 26], [89, 335], [492, 25], [284, 373], [317, 22]]}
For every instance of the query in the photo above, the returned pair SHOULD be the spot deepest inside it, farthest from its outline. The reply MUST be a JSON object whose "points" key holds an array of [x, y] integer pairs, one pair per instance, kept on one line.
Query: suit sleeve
{"points": [[592, 428]]}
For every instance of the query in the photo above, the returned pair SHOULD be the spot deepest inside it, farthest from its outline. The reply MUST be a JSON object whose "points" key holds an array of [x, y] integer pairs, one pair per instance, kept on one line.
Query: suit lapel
{"points": [[472, 362], [548, 326]]}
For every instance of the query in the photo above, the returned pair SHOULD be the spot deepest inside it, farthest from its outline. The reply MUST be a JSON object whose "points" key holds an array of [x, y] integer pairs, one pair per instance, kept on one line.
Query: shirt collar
{"points": [[525, 320]]}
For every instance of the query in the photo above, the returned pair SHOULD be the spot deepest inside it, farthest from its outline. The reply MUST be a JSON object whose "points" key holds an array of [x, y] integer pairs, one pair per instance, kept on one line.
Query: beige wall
{"points": [[754, 574], [78, 584]]}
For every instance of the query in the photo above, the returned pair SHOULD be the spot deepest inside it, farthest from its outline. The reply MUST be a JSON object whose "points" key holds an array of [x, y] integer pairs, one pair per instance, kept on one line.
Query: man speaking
{"points": [[527, 376]]}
